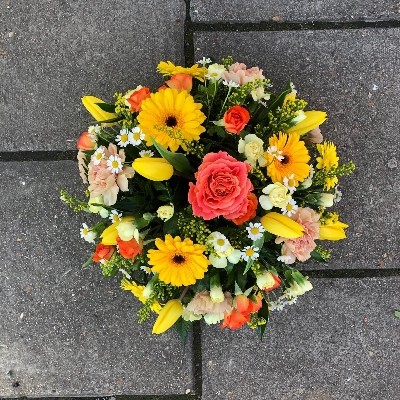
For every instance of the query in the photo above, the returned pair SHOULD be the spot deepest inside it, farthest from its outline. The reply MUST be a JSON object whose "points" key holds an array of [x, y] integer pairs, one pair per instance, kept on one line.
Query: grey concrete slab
{"points": [[354, 75], [291, 10], [53, 52], [339, 342], [64, 330]]}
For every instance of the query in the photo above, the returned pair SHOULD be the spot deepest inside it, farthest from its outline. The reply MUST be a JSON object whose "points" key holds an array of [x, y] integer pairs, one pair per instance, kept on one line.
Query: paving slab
{"points": [[339, 342], [53, 52], [354, 75], [291, 10], [64, 330]]}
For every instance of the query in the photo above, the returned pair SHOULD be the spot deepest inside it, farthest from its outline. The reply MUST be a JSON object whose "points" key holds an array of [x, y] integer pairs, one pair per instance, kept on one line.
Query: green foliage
{"points": [[74, 203], [397, 314], [183, 328]]}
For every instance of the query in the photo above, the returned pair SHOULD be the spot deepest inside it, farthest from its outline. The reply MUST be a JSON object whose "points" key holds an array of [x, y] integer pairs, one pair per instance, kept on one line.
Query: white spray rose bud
{"points": [[165, 212]]}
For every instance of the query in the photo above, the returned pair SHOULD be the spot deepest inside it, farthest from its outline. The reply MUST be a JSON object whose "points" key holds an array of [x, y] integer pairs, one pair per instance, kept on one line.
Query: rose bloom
{"points": [[252, 147], [302, 247], [202, 304], [129, 249], [251, 210], [134, 98], [103, 252], [235, 119], [221, 188], [180, 82], [85, 142], [239, 73], [235, 320]]}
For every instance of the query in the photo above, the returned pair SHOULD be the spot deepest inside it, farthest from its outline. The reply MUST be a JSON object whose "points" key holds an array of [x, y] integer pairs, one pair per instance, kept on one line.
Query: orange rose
{"points": [[235, 320], [134, 98], [103, 252], [235, 119], [275, 285], [180, 82], [129, 249], [246, 306], [251, 210], [85, 142]]}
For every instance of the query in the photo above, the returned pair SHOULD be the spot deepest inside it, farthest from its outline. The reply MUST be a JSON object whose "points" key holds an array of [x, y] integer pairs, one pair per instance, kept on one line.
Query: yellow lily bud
{"points": [[154, 169], [281, 225], [333, 231], [110, 234], [168, 315], [312, 120], [97, 113]]}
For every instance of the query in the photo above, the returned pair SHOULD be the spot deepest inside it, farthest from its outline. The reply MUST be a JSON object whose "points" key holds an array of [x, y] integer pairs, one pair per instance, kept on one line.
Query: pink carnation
{"points": [[240, 74], [202, 304], [221, 187], [104, 182], [302, 247]]}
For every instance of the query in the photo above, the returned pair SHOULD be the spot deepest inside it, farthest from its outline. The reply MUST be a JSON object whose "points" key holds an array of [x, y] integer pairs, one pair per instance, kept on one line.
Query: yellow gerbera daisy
{"points": [[167, 68], [172, 118], [287, 155], [178, 262], [137, 291], [328, 157]]}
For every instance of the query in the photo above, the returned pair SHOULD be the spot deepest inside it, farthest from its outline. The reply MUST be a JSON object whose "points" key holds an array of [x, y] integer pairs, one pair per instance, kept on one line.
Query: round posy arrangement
{"points": [[211, 189]]}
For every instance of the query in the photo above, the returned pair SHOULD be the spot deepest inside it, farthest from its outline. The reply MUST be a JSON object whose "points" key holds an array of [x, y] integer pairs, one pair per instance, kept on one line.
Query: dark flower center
{"points": [[178, 259], [171, 122], [285, 160]]}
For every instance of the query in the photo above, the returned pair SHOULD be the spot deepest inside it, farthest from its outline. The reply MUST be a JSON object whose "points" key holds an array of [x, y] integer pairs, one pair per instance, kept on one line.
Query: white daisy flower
{"points": [[87, 234], [231, 84], [220, 242], [114, 164], [250, 252], [94, 130], [115, 216], [255, 231], [274, 152], [290, 208], [123, 138], [285, 259], [146, 153], [145, 269], [98, 155], [204, 61], [290, 183], [136, 135]]}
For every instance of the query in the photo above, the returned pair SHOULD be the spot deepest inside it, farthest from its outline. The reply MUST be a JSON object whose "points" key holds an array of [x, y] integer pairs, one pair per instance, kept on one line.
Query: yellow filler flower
{"points": [[328, 160], [168, 68], [172, 118], [178, 262], [152, 168], [312, 120], [137, 291], [281, 225], [287, 155], [97, 113], [168, 315]]}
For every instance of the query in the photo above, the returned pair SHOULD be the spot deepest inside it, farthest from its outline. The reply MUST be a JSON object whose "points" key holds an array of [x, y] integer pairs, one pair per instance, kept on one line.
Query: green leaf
{"points": [[159, 186], [171, 226], [263, 313], [250, 262], [397, 314], [183, 328], [163, 197], [106, 107], [129, 204], [177, 160], [107, 121], [315, 255]]}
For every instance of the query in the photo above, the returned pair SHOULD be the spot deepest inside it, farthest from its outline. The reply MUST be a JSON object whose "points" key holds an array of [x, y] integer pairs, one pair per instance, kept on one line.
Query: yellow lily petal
{"points": [[281, 225], [97, 113], [168, 315], [110, 234], [154, 169], [333, 231], [312, 120]]}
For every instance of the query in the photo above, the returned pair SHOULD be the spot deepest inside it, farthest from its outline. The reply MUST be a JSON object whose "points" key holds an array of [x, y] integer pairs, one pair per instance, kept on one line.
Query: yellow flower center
{"points": [[249, 252], [115, 164], [136, 136], [124, 137], [289, 207], [115, 218], [220, 242], [85, 231], [255, 231], [99, 156]]}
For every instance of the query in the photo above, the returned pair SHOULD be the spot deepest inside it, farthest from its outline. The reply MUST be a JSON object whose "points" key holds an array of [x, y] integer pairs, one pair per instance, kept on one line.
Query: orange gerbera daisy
{"points": [[287, 155]]}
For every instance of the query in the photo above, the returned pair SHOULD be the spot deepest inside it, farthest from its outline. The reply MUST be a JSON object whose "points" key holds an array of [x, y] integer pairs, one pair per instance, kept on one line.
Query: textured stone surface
{"points": [[290, 10], [339, 342], [65, 330], [359, 90], [53, 52]]}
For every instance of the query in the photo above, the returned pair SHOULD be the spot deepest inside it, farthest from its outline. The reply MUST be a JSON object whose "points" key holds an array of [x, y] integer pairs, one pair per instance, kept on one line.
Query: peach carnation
{"points": [[202, 304], [239, 74], [301, 247], [221, 188]]}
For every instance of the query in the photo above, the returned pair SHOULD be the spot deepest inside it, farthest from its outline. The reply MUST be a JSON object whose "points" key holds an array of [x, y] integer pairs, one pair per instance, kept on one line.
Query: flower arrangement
{"points": [[210, 190]]}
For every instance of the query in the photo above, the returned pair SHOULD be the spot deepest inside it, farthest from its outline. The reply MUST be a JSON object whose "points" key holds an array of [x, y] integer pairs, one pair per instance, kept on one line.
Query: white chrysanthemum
{"points": [[274, 152], [136, 136], [87, 234], [123, 138], [285, 259], [98, 155], [114, 164], [215, 71], [115, 216], [255, 231], [290, 183], [250, 252], [290, 208], [146, 153]]}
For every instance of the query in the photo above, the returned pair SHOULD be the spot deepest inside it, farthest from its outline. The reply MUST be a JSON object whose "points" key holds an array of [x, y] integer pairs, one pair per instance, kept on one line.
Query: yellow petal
{"points": [[281, 225], [110, 234], [168, 315], [312, 120], [97, 113], [154, 169], [332, 232]]}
